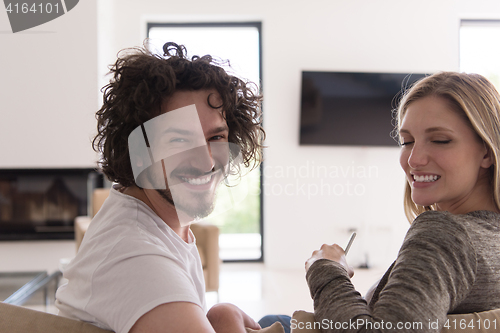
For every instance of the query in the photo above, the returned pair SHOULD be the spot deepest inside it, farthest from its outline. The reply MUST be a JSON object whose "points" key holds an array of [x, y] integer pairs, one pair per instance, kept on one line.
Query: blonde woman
{"points": [[449, 130]]}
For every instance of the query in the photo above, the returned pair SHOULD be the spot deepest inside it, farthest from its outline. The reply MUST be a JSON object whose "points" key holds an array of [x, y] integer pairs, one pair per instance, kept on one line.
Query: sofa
{"points": [[16, 319], [207, 240]]}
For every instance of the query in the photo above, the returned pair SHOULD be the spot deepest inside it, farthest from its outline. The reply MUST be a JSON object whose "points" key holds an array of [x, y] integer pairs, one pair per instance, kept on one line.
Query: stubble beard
{"points": [[195, 205], [198, 206]]}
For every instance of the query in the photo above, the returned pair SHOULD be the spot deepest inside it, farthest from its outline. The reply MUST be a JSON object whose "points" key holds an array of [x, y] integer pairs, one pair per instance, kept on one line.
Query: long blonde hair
{"points": [[476, 99]]}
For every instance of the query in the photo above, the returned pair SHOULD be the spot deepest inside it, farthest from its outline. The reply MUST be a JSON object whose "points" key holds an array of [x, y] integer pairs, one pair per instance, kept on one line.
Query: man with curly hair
{"points": [[169, 131]]}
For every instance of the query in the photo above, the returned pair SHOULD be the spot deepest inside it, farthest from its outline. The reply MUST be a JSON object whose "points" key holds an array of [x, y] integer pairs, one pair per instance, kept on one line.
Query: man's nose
{"points": [[418, 157], [202, 158]]}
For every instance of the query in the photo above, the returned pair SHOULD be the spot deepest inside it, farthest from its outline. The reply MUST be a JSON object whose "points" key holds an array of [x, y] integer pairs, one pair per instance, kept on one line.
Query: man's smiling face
{"points": [[188, 152]]}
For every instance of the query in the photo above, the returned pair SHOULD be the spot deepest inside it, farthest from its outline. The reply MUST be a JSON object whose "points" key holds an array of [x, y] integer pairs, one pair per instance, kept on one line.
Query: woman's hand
{"points": [[332, 252]]}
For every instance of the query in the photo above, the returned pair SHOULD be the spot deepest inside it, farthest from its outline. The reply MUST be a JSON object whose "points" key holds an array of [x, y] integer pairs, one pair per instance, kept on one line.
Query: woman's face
{"points": [[444, 159]]}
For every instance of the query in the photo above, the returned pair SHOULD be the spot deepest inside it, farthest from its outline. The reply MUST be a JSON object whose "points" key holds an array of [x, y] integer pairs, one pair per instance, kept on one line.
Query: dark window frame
{"points": [[257, 25]]}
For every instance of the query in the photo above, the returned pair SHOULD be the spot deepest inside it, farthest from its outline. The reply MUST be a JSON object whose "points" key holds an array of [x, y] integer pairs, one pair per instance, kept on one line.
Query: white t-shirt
{"points": [[130, 261]]}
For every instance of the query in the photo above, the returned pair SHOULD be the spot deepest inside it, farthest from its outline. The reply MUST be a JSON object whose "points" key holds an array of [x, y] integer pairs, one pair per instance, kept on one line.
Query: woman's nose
{"points": [[418, 157]]}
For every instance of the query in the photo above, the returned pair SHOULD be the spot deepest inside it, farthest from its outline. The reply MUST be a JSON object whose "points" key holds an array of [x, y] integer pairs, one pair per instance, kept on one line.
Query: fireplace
{"points": [[43, 203]]}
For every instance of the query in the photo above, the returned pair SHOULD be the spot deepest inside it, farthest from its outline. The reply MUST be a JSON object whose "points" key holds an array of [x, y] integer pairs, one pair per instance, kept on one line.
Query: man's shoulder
{"points": [[120, 210], [121, 220]]}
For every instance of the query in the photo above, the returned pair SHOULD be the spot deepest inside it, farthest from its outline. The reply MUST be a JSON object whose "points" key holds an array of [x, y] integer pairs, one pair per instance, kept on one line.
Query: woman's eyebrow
{"points": [[438, 129], [428, 130]]}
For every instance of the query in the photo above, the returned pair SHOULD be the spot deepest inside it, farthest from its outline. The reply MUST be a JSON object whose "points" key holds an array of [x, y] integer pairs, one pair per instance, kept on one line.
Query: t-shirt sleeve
{"points": [[433, 273], [143, 279]]}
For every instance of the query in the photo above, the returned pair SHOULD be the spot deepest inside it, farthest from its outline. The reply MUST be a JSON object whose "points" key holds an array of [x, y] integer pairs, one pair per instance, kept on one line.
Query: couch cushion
{"points": [[16, 319], [303, 322], [274, 328]]}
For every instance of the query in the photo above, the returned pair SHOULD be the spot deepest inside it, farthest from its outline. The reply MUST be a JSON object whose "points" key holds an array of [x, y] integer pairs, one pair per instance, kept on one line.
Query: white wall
{"points": [[333, 35], [358, 35], [48, 91], [35, 255], [48, 98]]}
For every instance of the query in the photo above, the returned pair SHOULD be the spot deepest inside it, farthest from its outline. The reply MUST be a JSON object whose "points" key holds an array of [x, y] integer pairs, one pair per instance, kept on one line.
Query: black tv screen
{"points": [[348, 108]]}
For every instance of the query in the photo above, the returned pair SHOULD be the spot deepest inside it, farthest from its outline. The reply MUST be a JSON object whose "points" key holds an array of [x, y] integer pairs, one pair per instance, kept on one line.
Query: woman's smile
{"points": [[445, 161]]}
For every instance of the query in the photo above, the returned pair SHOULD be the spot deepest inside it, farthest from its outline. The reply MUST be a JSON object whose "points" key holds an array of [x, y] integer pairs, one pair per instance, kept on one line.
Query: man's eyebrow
{"points": [[178, 131], [183, 131], [219, 129]]}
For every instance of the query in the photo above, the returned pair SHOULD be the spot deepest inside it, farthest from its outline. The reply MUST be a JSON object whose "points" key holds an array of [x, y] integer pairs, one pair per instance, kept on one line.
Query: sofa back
{"points": [[17, 319]]}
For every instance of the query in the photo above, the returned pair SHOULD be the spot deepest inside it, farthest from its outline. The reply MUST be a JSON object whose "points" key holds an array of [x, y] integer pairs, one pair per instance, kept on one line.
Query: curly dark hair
{"points": [[140, 83]]}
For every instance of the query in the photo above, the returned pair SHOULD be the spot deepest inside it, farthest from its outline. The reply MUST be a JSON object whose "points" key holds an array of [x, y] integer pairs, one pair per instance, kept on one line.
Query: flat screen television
{"points": [[349, 108]]}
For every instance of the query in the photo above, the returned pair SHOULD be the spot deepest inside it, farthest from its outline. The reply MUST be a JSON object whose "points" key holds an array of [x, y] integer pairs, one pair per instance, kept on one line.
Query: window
{"points": [[240, 43], [479, 48]]}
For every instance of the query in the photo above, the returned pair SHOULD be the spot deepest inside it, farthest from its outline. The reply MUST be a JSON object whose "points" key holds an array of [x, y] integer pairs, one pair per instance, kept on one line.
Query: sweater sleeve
{"points": [[433, 273]]}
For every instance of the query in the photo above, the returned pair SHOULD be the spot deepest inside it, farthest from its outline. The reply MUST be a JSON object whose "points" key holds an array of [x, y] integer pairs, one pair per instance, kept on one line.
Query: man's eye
{"points": [[178, 140], [442, 141], [217, 137]]}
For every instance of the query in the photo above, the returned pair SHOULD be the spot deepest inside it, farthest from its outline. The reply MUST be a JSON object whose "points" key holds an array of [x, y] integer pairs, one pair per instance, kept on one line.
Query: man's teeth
{"points": [[425, 179], [197, 181]]}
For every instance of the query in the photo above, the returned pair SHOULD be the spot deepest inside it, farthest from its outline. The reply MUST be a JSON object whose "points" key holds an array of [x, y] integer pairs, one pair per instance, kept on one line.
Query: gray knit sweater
{"points": [[447, 264]]}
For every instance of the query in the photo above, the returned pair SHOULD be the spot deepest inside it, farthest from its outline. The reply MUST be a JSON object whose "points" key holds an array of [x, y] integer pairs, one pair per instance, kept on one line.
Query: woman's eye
{"points": [[441, 141], [406, 143], [216, 138]]}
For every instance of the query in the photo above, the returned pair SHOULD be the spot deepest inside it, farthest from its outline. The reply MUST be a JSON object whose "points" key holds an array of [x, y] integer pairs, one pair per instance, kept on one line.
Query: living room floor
{"points": [[259, 290]]}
